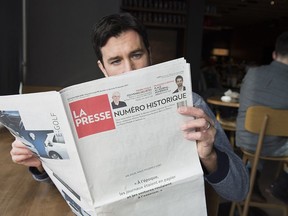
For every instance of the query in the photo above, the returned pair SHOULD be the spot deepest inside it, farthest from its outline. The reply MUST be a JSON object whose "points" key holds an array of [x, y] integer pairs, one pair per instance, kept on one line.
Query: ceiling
{"points": [[230, 14]]}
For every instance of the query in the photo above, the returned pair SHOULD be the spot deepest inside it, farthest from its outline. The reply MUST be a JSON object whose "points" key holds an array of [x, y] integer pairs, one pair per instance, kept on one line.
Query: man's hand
{"points": [[22, 155], [201, 129]]}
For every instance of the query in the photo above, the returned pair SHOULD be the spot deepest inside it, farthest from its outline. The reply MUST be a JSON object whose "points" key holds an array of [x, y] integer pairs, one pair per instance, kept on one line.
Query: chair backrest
{"points": [[262, 121], [267, 121]]}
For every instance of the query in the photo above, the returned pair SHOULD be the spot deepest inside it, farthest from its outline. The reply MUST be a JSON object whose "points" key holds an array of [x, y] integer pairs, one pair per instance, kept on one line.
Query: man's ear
{"points": [[274, 55], [102, 68]]}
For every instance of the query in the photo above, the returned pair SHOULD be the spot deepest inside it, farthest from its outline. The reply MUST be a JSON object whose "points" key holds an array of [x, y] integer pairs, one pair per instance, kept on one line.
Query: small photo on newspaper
{"points": [[43, 143]]}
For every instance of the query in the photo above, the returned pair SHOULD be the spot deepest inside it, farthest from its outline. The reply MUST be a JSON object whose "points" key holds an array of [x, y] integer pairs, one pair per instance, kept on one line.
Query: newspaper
{"points": [[127, 157]]}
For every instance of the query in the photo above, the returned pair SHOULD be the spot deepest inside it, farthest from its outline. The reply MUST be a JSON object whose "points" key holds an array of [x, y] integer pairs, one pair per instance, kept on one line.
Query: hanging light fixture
{"points": [[220, 52]]}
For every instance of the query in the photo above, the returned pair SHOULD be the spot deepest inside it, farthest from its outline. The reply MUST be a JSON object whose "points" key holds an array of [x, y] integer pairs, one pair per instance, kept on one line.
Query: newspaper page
{"points": [[135, 158], [39, 121]]}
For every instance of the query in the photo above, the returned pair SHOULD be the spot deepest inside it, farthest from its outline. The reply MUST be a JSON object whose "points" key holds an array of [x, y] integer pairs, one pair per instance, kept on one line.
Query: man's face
{"points": [[179, 82], [124, 53]]}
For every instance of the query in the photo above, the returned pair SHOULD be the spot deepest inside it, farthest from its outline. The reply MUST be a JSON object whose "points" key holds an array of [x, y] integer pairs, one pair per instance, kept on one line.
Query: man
{"points": [[267, 85], [116, 103], [179, 83], [121, 45]]}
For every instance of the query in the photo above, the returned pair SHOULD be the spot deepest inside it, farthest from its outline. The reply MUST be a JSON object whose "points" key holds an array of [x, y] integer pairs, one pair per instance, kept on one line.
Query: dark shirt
{"points": [[184, 89], [121, 104]]}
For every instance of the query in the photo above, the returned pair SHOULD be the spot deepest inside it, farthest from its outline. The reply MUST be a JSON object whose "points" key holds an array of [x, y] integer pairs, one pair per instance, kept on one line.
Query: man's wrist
{"points": [[222, 168], [37, 175], [211, 156], [210, 161], [40, 169]]}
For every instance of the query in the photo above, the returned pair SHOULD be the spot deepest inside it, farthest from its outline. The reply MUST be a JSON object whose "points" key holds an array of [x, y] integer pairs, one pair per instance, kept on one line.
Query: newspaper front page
{"points": [[138, 163], [115, 147]]}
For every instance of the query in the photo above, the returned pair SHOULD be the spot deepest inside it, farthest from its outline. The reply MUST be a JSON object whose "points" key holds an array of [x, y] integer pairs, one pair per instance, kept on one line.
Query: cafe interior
{"points": [[221, 39]]}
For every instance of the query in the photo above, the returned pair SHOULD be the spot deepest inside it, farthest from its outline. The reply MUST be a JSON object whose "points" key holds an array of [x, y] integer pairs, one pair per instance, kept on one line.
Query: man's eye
{"points": [[137, 55], [115, 62]]}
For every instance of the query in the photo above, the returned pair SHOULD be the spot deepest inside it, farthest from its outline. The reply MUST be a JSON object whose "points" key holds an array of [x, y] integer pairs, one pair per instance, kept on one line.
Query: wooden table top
{"points": [[20, 194], [216, 100]]}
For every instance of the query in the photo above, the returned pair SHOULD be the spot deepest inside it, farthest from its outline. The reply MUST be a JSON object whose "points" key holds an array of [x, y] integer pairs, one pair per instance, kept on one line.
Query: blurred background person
{"points": [[267, 86]]}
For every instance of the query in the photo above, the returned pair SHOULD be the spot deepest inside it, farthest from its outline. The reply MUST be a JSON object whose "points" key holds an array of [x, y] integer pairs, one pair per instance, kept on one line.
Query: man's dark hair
{"points": [[112, 26], [178, 77], [281, 46]]}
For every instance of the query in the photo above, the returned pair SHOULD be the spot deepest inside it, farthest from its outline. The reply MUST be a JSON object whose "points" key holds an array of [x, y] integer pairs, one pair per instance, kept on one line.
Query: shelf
{"points": [[158, 13], [212, 15], [154, 10], [162, 17], [165, 25], [212, 28], [164, 20]]}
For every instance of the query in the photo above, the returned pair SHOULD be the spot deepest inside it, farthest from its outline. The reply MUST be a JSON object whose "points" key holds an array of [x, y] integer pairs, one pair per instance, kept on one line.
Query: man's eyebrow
{"points": [[137, 50], [113, 58]]}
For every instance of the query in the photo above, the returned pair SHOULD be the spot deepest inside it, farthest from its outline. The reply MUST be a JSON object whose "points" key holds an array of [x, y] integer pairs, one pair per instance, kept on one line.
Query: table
{"points": [[20, 194], [216, 100], [228, 124]]}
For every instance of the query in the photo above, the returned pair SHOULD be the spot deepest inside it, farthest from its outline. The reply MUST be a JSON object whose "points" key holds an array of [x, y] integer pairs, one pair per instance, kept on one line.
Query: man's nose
{"points": [[129, 66]]}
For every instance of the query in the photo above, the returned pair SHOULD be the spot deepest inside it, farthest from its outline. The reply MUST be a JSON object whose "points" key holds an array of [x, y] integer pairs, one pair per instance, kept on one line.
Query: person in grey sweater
{"points": [[267, 86], [121, 45]]}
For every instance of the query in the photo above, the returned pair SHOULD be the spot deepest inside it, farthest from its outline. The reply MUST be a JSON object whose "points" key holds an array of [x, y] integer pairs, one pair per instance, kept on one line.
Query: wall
{"points": [[251, 44], [194, 41], [254, 44], [163, 43], [59, 46], [10, 46]]}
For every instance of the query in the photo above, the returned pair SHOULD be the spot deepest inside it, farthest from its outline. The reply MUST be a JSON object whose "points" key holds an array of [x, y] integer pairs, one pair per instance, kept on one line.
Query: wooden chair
{"points": [[229, 124], [262, 121]]}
